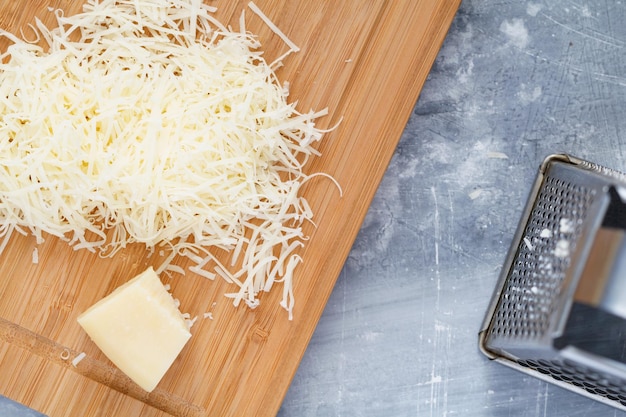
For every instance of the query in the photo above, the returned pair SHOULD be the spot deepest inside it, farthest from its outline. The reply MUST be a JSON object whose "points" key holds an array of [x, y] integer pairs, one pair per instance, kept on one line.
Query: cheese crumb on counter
{"points": [[139, 328]]}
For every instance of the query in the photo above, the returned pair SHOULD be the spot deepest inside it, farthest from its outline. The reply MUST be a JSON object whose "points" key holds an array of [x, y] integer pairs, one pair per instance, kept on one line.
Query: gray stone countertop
{"points": [[514, 82]]}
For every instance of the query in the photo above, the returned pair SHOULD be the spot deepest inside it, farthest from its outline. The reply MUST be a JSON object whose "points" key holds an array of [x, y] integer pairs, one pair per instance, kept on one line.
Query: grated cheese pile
{"points": [[149, 121]]}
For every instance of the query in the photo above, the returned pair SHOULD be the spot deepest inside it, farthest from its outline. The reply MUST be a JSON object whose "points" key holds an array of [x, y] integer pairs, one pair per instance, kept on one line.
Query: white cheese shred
{"points": [[292, 46], [65, 354], [529, 245], [151, 122], [78, 358]]}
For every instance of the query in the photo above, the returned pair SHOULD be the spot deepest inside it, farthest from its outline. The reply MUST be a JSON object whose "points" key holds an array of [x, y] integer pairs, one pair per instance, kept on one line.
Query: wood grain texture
{"points": [[364, 60]]}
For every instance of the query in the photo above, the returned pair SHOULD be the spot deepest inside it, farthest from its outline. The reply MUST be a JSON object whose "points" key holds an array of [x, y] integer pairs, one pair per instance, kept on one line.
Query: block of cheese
{"points": [[139, 328]]}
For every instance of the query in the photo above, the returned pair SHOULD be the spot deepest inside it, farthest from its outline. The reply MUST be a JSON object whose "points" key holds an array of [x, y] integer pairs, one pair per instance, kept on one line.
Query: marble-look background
{"points": [[10, 408], [514, 82]]}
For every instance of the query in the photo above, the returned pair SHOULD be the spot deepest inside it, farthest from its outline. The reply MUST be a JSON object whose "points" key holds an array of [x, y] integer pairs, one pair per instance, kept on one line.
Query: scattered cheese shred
{"points": [[292, 46], [475, 193], [529, 245], [497, 155], [65, 354], [151, 122], [78, 358]]}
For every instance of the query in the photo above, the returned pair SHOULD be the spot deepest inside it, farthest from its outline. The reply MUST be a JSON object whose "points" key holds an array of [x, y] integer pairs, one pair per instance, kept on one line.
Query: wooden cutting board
{"points": [[366, 61]]}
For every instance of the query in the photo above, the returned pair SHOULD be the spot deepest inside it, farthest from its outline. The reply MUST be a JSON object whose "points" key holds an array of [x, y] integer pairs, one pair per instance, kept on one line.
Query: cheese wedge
{"points": [[139, 328]]}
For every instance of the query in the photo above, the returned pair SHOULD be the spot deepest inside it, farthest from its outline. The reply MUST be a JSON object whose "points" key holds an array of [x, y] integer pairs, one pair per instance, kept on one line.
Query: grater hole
{"points": [[534, 280], [588, 379], [532, 292], [543, 371]]}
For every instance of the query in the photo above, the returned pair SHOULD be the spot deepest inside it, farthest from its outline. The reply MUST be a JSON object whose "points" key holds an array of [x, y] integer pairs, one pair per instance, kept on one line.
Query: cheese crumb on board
{"points": [[139, 328], [78, 359], [65, 354], [152, 122]]}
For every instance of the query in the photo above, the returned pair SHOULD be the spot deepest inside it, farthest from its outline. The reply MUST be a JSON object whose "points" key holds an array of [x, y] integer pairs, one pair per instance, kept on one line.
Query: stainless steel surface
{"points": [[555, 312], [514, 82]]}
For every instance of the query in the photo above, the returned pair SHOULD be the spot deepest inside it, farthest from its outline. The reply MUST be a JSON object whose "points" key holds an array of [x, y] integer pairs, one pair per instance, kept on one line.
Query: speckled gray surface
{"points": [[10, 408], [399, 335]]}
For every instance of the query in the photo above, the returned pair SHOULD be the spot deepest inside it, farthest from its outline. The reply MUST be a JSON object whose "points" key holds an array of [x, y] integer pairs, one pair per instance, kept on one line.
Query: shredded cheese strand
{"points": [[151, 122], [292, 46]]}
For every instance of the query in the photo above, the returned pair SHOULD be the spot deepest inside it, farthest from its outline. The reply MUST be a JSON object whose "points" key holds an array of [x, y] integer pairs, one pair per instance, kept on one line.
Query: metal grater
{"points": [[559, 309]]}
